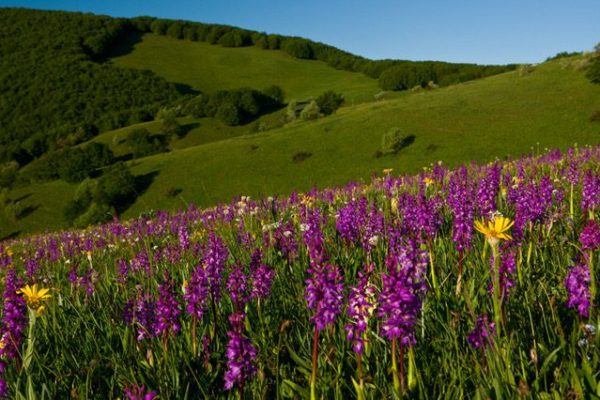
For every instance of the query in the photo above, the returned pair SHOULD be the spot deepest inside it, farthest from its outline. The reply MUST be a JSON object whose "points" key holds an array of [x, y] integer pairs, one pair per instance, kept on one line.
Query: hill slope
{"points": [[502, 115], [505, 115], [209, 68]]}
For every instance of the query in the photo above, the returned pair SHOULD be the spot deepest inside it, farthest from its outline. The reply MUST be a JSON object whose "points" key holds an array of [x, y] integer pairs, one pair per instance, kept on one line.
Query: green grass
{"points": [[208, 68], [198, 131], [505, 115], [498, 116]]}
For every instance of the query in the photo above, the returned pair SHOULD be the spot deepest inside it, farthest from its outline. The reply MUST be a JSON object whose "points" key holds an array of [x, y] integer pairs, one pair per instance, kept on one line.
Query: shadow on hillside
{"points": [[142, 183], [124, 157], [27, 211], [405, 142], [184, 88], [23, 197], [185, 129], [125, 44], [11, 235]]}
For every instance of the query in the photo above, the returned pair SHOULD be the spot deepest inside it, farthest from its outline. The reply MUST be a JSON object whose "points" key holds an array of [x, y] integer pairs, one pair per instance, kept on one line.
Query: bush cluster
{"points": [[97, 200], [234, 107]]}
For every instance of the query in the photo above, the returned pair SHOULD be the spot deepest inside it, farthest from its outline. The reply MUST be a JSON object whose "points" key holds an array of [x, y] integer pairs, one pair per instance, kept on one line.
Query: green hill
{"points": [[504, 115], [209, 68]]}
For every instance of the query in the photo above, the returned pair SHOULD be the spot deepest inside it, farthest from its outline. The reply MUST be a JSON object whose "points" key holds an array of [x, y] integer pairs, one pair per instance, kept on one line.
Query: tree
{"points": [[168, 120], [159, 26], [175, 30], [143, 143], [116, 187], [229, 114], [298, 48], [329, 102], [276, 93]]}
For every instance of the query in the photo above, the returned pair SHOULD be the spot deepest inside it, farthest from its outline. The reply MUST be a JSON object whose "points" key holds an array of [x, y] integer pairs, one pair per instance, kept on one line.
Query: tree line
{"points": [[403, 71]]}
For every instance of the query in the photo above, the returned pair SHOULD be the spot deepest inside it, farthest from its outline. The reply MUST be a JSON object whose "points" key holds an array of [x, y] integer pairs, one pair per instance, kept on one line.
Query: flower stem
{"points": [[496, 290], [395, 367], [592, 279], [460, 274], [432, 264], [315, 361], [194, 340], [571, 208]]}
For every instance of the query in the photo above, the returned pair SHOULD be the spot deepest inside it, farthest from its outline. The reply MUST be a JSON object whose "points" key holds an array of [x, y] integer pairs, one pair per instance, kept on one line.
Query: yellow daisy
{"points": [[495, 229]]}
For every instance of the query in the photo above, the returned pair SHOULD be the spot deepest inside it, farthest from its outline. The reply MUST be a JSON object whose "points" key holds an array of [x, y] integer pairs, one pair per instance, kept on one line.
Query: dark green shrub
{"points": [[95, 214], [8, 174], [143, 143], [275, 93], [159, 26], [175, 29], [229, 114], [394, 141], [329, 102], [116, 187], [168, 121], [235, 39], [298, 48]]}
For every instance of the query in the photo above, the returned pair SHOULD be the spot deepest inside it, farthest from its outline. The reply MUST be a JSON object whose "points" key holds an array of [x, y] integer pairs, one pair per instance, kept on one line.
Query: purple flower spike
{"points": [[135, 392], [262, 279], [361, 304], [481, 336], [240, 360], [590, 236], [196, 293], [14, 318], [324, 294], [402, 295], [590, 196], [167, 310], [577, 284]]}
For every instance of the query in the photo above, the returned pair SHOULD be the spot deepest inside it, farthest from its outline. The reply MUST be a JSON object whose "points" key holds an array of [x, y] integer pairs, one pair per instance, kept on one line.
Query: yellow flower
{"points": [[495, 229], [428, 181], [388, 171], [394, 205], [34, 296], [184, 286]]}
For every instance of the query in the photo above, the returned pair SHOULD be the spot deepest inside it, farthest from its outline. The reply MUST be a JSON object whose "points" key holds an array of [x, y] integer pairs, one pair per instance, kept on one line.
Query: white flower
{"points": [[287, 233], [303, 227], [373, 240], [589, 328]]}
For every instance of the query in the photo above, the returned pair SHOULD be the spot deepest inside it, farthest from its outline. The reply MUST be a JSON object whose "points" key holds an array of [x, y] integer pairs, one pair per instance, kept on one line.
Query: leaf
{"points": [[295, 388], [297, 359], [30, 391]]}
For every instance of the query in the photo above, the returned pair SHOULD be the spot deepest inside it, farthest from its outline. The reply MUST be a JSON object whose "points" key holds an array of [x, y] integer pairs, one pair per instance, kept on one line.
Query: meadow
{"points": [[505, 115], [473, 282]]}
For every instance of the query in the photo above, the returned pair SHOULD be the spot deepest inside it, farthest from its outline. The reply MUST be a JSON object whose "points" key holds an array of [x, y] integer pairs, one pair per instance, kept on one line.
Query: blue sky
{"points": [[479, 31]]}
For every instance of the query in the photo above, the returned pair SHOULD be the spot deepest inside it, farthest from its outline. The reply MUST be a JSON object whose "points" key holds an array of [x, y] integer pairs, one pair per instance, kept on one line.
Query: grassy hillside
{"points": [[208, 68], [498, 116], [505, 115]]}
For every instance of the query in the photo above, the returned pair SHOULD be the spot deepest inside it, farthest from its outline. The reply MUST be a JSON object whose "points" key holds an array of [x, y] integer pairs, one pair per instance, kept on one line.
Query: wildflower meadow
{"points": [[476, 282]]}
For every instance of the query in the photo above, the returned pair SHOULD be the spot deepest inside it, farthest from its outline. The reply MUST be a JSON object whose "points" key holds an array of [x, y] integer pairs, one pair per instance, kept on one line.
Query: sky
{"points": [[479, 31]]}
